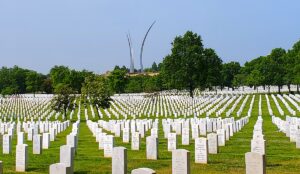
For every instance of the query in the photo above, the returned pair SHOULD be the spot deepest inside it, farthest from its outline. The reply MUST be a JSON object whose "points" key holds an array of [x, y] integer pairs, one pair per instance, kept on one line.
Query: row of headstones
{"points": [[39, 141], [227, 100], [277, 105], [196, 112], [258, 144], [292, 111], [216, 104], [179, 110], [32, 127], [106, 141], [290, 127], [269, 105], [295, 97], [292, 99], [24, 108], [126, 126], [66, 159], [67, 153], [202, 126], [210, 145], [256, 160]]}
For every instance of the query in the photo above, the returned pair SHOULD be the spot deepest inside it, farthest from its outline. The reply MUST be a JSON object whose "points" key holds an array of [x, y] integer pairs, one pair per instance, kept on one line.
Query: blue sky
{"points": [[91, 34]]}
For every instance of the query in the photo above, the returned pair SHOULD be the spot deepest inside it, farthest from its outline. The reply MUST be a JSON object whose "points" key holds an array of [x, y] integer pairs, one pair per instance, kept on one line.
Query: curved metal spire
{"points": [[141, 54], [131, 53]]}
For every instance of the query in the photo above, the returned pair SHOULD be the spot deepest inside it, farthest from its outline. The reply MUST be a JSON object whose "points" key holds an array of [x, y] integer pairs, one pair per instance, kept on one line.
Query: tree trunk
{"points": [[297, 88], [289, 87], [191, 92], [279, 89], [65, 113]]}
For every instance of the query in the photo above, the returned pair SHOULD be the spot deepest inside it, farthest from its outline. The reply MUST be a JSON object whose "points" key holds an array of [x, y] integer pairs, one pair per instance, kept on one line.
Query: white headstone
{"points": [[221, 137], [180, 161], [201, 150], [46, 140], [59, 168], [67, 156], [20, 138], [172, 141], [135, 141], [37, 144], [212, 143], [108, 145], [152, 147], [6, 144], [143, 171], [255, 163], [185, 136], [21, 157], [119, 160]]}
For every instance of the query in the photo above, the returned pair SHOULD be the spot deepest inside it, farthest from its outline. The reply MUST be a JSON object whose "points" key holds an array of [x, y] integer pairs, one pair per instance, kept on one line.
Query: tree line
{"points": [[188, 66]]}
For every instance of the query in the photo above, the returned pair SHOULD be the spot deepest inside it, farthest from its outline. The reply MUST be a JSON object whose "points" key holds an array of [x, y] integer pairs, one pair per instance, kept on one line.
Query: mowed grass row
{"points": [[282, 155]]}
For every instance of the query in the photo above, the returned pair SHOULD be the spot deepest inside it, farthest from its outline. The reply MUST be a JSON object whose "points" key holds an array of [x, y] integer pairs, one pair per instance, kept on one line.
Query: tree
{"points": [[33, 81], [214, 66], [47, 85], [152, 84], [184, 67], [154, 67], [277, 67], [96, 89], [135, 84], [294, 64], [60, 75], [118, 80], [239, 80], [254, 78], [63, 99], [229, 70]]}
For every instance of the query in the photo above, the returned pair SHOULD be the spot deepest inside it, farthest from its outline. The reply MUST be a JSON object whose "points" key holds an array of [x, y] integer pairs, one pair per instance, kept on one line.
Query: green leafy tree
{"points": [[154, 67], [293, 72], [229, 70], [135, 84], [63, 99], [214, 66], [118, 79], [60, 75], [254, 78], [184, 67], [96, 89], [33, 81], [47, 85], [277, 67]]}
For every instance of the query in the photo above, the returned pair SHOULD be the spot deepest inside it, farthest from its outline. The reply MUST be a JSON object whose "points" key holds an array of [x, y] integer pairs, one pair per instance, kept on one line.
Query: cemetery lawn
{"points": [[282, 155]]}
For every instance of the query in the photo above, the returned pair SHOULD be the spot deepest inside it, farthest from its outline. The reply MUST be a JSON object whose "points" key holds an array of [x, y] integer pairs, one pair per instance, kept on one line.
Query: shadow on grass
{"points": [[273, 165], [82, 172]]}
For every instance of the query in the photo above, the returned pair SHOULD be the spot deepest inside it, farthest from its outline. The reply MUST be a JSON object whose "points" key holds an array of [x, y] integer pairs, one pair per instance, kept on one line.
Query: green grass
{"points": [[282, 155]]}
